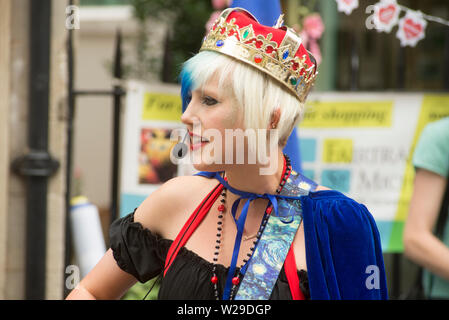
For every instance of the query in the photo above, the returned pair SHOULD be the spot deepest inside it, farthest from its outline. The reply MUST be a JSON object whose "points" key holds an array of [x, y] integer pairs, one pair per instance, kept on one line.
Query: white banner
{"points": [[360, 144], [152, 111]]}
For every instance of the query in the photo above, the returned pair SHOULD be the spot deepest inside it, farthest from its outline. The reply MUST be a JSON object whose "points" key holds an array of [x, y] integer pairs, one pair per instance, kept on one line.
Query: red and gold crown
{"points": [[276, 50]]}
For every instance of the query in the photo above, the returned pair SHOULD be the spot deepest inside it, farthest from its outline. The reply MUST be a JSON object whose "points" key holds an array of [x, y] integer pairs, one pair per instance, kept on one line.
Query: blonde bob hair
{"points": [[257, 94]]}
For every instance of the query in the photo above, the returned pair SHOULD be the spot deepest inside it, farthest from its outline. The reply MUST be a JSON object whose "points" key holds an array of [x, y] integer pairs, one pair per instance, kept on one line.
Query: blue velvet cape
{"points": [[343, 249]]}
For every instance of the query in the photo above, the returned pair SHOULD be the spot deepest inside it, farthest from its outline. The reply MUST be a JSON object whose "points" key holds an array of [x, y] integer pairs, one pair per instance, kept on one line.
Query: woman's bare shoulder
{"points": [[171, 204]]}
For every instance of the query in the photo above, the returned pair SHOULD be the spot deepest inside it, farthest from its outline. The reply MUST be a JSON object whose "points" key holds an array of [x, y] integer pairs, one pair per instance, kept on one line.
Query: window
{"points": [[103, 2]]}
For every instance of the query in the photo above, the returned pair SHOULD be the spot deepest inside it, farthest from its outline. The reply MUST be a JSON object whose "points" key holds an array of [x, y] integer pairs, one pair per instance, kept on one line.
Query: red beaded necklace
{"points": [[221, 210]]}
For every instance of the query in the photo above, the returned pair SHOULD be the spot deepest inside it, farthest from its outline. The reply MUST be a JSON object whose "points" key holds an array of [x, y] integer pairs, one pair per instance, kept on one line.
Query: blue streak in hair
{"points": [[186, 88]]}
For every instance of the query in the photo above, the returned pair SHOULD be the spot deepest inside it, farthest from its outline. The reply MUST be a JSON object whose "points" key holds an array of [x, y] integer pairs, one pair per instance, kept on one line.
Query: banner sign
{"points": [[151, 113], [362, 145]]}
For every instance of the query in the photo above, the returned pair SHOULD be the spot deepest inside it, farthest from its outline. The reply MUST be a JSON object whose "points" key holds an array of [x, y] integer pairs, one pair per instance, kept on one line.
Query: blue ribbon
{"points": [[240, 222]]}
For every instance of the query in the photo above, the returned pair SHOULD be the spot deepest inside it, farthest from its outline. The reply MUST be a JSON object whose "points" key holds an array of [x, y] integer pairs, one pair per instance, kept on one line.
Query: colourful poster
{"points": [[152, 112], [361, 144], [154, 160]]}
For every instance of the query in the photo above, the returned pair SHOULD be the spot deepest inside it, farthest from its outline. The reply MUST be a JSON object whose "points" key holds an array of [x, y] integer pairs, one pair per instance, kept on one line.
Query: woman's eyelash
{"points": [[209, 101]]}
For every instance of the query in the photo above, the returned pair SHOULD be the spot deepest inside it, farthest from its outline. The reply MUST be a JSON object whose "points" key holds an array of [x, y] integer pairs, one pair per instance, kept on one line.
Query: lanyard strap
{"points": [[190, 226], [275, 244], [268, 259]]}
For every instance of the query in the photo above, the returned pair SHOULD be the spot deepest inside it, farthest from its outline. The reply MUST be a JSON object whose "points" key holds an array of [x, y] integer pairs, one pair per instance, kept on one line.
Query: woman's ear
{"points": [[275, 116]]}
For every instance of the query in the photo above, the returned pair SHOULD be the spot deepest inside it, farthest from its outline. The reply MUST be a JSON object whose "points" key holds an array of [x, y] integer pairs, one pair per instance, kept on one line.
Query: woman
{"points": [[235, 230], [425, 242]]}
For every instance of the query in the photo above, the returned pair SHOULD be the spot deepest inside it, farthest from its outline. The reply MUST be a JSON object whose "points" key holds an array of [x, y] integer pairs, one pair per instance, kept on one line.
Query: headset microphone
{"points": [[180, 149]]}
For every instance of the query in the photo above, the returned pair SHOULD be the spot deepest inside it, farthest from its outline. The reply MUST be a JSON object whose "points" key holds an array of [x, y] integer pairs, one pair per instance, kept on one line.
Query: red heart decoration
{"points": [[411, 29], [348, 1], [386, 14]]}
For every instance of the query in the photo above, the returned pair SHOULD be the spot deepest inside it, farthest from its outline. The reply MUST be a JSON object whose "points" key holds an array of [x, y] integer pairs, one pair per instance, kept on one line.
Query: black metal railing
{"points": [[116, 92]]}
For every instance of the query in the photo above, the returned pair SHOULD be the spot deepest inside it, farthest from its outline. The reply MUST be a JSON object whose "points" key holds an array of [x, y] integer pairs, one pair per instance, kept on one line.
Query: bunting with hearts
{"points": [[347, 6], [411, 27], [386, 15]]}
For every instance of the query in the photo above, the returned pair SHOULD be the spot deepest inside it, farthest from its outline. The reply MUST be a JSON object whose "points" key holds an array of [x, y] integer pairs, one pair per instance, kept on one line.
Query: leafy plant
{"points": [[139, 290]]}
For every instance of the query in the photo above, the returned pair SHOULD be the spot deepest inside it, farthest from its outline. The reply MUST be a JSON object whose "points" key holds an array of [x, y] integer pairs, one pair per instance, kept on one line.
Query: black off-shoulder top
{"points": [[142, 254]]}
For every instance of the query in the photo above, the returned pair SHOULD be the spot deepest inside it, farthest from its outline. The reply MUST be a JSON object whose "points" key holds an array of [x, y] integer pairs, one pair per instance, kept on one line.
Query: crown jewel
{"points": [[276, 51]]}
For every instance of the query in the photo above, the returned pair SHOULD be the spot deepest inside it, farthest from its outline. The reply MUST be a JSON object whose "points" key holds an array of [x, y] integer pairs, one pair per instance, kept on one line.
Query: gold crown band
{"points": [[284, 66]]}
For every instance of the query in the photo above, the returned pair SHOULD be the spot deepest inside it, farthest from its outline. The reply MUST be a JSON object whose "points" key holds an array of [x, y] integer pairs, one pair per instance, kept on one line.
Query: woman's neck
{"points": [[250, 179]]}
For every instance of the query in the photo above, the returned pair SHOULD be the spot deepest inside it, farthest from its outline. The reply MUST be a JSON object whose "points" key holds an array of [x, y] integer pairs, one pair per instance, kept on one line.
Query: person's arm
{"points": [[106, 281], [420, 244]]}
